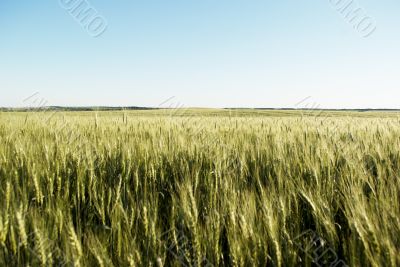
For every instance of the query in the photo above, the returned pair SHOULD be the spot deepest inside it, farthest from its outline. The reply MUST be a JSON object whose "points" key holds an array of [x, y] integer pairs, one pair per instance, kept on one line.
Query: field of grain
{"points": [[199, 188]]}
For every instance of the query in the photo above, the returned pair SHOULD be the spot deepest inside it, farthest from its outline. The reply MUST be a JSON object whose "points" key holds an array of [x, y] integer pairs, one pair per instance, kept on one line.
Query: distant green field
{"points": [[179, 112], [200, 187]]}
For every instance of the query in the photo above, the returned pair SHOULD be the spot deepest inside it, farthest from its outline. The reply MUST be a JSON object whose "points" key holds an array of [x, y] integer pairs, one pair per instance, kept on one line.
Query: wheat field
{"points": [[199, 188]]}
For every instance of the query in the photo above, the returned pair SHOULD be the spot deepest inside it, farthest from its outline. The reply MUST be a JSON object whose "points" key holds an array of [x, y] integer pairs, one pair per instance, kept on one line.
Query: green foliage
{"points": [[198, 188]]}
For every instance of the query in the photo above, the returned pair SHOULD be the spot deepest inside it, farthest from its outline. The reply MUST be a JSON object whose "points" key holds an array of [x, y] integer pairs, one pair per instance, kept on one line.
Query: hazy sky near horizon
{"points": [[208, 53]]}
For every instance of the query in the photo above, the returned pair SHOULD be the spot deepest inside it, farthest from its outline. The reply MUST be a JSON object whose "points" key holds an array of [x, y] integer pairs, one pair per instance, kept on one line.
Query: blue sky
{"points": [[208, 53]]}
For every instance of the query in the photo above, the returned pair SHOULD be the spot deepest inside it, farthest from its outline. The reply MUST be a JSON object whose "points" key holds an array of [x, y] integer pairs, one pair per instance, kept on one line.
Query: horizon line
{"points": [[119, 108]]}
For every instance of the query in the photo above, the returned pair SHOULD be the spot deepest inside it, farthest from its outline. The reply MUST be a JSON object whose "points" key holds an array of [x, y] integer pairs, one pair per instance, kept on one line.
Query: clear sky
{"points": [[209, 53]]}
